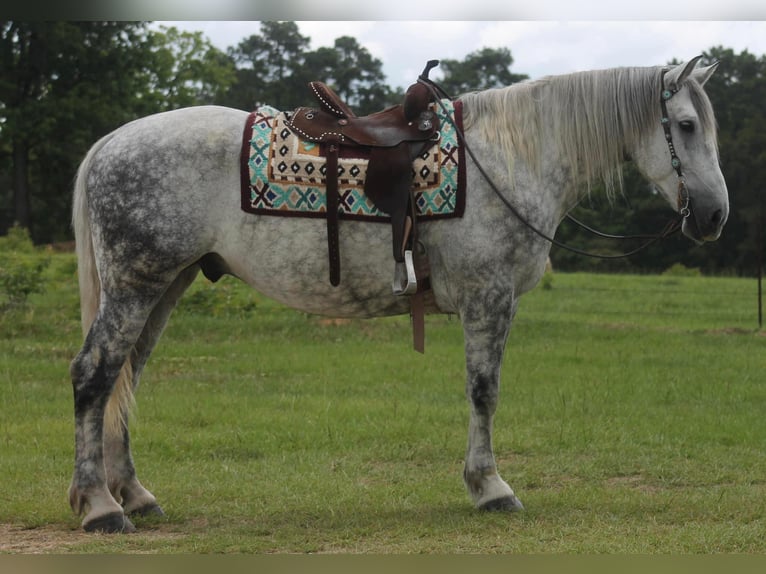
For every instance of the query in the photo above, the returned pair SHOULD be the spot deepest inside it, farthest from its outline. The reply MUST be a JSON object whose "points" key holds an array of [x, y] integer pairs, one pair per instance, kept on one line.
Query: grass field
{"points": [[631, 420]]}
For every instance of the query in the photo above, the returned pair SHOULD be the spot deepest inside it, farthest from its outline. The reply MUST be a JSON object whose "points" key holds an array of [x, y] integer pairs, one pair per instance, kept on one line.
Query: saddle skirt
{"points": [[283, 174]]}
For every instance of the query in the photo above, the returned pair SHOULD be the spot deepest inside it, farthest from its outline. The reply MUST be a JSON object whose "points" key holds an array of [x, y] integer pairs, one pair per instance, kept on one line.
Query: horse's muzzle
{"points": [[705, 221]]}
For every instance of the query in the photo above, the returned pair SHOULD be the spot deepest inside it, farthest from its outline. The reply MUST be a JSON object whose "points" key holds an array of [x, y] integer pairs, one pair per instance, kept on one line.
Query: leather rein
{"points": [[673, 226]]}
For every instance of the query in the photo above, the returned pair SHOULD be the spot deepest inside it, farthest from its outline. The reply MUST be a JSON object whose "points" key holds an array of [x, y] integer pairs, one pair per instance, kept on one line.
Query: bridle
{"points": [[673, 226], [683, 193]]}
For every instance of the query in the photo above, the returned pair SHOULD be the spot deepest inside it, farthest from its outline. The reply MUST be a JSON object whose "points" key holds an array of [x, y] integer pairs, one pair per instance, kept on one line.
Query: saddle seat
{"points": [[412, 121]]}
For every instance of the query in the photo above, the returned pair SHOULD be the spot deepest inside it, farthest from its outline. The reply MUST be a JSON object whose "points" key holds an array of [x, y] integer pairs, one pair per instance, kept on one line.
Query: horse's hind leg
{"points": [[120, 470], [486, 319], [94, 373], [117, 327]]}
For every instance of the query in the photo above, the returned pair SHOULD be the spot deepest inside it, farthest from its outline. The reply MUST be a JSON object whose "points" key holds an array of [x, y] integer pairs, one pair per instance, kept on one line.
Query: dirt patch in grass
{"points": [[60, 539], [44, 540]]}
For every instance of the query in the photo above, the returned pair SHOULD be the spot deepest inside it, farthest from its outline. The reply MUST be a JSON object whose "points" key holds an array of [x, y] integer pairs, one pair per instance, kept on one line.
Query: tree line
{"points": [[65, 84]]}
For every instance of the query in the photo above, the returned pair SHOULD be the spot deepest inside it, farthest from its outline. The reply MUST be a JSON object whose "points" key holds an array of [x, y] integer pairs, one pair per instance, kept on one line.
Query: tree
{"points": [[480, 70], [639, 210], [42, 67], [275, 67], [357, 77], [65, 84], [738, 91], [267, 67], [184, 69]]}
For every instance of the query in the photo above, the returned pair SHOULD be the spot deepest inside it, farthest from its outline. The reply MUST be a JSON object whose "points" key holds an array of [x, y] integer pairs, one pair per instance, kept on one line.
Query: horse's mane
{"points": [[593, 116]]}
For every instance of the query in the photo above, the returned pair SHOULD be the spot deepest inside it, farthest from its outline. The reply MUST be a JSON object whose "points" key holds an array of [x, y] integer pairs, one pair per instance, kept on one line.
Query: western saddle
{"points": [[392, 138]]}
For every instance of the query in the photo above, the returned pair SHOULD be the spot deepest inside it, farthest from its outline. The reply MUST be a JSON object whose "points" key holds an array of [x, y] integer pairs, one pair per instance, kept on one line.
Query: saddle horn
{"points": [[418, 96], [430, 65]]}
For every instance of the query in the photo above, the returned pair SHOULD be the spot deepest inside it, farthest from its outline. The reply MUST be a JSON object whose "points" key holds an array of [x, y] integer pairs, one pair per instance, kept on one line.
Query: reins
{"points": [[673, 226]]}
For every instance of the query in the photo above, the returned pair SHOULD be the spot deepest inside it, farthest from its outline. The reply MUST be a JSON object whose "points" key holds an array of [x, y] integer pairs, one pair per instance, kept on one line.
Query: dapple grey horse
{"points": [[158, 199]]}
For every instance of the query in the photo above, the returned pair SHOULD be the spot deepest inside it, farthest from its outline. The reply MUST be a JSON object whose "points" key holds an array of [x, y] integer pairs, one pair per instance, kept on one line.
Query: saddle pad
{"points": [[284, 175]]}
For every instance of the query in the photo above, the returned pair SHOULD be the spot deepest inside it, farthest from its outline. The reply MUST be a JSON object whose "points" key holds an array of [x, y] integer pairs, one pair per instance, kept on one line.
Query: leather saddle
{"points": [[392, 139]]}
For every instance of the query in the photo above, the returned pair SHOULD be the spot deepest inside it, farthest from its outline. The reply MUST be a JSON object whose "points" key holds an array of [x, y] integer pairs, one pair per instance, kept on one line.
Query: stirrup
{"points": [[405, 281]]}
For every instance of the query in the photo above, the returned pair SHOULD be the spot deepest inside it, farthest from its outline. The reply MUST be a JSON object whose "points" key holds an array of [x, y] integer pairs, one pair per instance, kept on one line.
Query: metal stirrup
{"points": [[405, 280]]}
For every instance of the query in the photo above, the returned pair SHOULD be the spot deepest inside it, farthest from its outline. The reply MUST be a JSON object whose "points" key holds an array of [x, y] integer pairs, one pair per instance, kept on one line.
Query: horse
{"points": [[156, 201]]}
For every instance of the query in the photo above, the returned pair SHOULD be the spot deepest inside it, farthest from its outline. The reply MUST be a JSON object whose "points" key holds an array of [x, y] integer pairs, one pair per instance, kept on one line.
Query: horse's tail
{"points": [[121, 400]]}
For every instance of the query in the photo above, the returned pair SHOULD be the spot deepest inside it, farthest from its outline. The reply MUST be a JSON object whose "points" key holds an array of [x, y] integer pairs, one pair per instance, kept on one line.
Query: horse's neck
{"points": [[558, 188], [551, 179]]}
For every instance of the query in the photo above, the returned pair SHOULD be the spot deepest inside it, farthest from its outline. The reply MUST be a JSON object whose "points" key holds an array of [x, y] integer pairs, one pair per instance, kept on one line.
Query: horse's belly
{"points": [[286, 259]]}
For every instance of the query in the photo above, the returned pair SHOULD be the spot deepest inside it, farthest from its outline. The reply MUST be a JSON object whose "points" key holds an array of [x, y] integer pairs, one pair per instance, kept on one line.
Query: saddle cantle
{"points": [[394, 137], [330, 102]]}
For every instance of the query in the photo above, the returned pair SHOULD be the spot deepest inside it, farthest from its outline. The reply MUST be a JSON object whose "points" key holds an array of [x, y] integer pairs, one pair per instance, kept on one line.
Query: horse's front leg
{"points": [[486, 322]]}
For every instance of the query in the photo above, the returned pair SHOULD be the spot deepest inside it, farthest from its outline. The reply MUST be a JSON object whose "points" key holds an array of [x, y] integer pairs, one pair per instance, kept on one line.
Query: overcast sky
{"points": [[538, 47]]}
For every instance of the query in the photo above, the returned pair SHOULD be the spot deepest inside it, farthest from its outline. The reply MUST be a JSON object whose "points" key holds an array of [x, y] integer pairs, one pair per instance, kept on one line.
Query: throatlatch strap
{"points": [[333, 246]]}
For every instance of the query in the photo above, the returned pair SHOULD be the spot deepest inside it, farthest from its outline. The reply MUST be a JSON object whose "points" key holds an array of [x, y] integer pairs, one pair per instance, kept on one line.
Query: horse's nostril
{"points": [[717, 217]]}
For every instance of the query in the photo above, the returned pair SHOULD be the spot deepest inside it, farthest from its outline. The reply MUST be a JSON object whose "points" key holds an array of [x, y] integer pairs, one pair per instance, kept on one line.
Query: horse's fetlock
{"points": [[76, 500], [476, 479]]}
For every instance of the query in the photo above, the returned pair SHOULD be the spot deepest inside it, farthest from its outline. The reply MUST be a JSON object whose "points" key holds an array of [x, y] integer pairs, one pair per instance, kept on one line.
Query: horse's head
{"points": [[680, 156]]}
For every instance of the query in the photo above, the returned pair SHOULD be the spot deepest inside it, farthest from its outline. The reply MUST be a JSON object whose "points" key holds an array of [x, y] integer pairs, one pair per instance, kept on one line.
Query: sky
{"points": [[539, 47]]}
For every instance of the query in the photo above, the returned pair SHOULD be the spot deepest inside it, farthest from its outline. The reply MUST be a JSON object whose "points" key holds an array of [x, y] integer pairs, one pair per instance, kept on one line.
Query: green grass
{"points": [[631, 420]]}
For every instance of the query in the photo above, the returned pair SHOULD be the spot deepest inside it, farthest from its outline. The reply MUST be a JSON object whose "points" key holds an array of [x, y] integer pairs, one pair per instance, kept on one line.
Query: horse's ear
{"points": [[675, 76], [702, 75]]}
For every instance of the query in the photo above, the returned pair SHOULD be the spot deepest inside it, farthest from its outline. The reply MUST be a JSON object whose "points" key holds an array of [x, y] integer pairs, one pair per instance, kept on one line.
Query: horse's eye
{"points": [[687, 126]]}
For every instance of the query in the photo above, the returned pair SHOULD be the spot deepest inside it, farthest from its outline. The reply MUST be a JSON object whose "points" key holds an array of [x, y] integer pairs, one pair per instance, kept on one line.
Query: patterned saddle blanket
{"points": [[284, 175]]}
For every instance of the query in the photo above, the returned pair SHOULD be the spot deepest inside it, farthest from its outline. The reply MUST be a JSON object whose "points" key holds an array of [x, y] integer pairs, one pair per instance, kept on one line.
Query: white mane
{"points": [[592, 116]]}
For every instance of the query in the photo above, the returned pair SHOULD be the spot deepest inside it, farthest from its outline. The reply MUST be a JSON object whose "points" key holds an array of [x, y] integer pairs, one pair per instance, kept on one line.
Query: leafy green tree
{"points": [[46, 68], [738, 92], [275, 66], [65, 84], [480, 70], [184, 69], [357, 77], [267, 67], [639, 210]]}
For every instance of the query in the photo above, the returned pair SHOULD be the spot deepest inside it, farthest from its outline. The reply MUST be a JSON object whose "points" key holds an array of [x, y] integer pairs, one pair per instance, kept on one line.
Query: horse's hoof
{"points": [[113, 523], [503, 504], [152, 509]]}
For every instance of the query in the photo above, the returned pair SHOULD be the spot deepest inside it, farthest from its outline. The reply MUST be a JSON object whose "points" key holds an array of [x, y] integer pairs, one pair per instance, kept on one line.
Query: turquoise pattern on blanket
{"points": [[287, 174]]}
